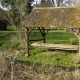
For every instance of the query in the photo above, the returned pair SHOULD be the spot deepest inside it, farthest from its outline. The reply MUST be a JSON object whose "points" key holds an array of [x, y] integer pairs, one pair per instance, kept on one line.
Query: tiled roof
{"points": [[51, 17]]}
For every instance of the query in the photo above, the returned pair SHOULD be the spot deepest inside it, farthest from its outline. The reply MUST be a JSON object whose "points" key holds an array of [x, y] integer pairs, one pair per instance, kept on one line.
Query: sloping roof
{"points": [[54, 17]]}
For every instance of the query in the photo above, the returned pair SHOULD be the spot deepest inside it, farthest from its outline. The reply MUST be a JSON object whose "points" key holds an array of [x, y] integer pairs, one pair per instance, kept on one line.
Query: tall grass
{"points": [[10, 39], [60, 58], [39, 55], [46, 64]]}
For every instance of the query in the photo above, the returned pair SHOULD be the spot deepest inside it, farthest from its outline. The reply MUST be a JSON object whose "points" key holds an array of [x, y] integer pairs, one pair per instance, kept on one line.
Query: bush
{"points": [[15, 44], [5, 45]]}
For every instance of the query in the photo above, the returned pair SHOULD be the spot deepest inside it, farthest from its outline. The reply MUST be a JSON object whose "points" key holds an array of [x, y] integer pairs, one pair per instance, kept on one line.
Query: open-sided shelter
{"points": [[50, 17]]}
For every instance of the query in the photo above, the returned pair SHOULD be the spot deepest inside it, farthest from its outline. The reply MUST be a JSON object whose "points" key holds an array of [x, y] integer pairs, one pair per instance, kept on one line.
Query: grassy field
{"points": [[42, 55], [9, 39], [62, 37], [57, 37], [53, 57]]}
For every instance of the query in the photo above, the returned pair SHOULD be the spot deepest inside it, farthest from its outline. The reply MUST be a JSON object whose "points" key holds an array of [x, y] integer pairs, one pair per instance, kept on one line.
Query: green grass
{"points": [[54, 36], [57, 37], [62, 37], [7, 41], [57, 59], [39, 55]]}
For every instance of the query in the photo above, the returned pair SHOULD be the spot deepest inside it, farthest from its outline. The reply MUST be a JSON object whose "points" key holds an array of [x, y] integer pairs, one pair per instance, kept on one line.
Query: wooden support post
{"points": [[44, 39], [78, 36], [43, 33], [44, 36], [27, 42], [79, 42]]}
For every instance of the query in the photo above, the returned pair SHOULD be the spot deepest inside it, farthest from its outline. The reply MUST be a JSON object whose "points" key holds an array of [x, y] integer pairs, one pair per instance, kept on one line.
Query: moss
{"points": [[54, 17], [74, 18]]}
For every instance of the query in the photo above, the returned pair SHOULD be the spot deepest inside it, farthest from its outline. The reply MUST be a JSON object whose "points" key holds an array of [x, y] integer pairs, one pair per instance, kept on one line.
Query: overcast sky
{"points": [[38, 1], [2, 7]]}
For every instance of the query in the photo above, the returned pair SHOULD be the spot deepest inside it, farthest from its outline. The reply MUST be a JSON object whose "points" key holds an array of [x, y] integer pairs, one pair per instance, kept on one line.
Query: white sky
{"points": [[38, 1], [2, 7]]}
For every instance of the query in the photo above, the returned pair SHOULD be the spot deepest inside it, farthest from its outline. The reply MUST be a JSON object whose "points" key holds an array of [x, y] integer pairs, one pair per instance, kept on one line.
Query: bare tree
{"points": [[53, 3], [19, 9], [57, 3]]}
